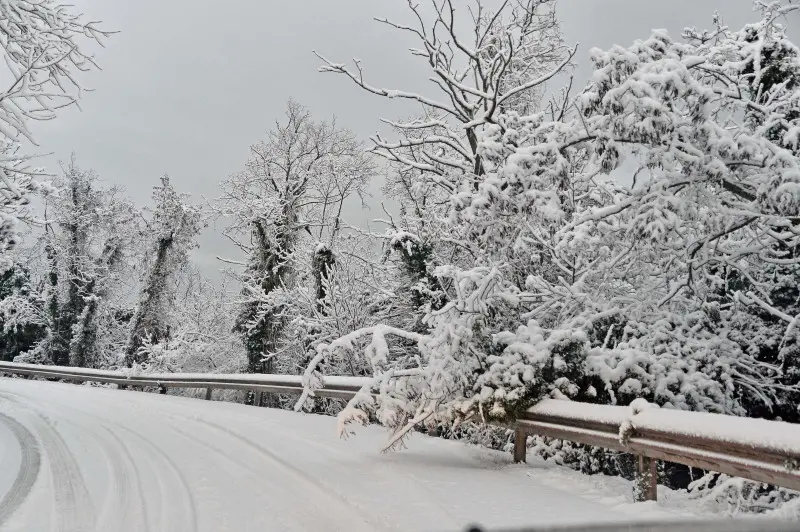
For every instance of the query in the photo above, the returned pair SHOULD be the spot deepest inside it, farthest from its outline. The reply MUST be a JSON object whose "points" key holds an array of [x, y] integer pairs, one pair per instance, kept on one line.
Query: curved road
{"points": [[75, 458]]}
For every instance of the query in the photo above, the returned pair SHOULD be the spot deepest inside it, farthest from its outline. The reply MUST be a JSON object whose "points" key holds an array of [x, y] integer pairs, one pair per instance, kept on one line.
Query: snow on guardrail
{"points": [[758, 434], [334, 386], [354, 382]]}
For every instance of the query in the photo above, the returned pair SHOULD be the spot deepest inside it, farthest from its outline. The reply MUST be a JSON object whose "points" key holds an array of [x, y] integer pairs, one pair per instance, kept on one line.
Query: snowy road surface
{"points": [[76, 458]]}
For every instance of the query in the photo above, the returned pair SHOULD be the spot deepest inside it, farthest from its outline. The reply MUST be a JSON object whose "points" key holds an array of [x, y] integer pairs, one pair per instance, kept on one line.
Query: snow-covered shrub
{"points": [[732, 495], [490, 436], [201, 339], [585, 458]]}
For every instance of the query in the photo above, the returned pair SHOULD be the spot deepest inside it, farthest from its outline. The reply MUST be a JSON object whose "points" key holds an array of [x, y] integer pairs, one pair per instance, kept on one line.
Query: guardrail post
{"points": [[208, 393], [520, 445], [258, 399], [162, 389], [645, 483]]}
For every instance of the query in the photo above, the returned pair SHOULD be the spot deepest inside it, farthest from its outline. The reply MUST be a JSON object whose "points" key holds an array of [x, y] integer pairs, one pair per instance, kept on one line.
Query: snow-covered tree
{"points": [[202, 338], [348, 294], [709, 216], [22, 313], [483, 61], [17, 184], [284, 204], [575, 284], [88, 231], [501, 61], [171, 235], [44, 46]]}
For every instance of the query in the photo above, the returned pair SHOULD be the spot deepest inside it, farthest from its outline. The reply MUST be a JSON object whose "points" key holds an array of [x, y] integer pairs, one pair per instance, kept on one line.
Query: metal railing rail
{"points": [[740, 447], [338, 387], [755, 449]]}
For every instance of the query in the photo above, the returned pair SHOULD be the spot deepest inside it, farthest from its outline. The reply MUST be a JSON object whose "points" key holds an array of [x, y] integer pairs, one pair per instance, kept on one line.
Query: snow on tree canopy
{"points": [[563, 274], [43, 47]]}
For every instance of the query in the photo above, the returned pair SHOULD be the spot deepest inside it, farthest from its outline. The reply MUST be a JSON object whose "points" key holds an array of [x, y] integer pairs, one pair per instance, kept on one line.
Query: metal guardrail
{"points": [[755, 449], [336, 387], [764, 451]]}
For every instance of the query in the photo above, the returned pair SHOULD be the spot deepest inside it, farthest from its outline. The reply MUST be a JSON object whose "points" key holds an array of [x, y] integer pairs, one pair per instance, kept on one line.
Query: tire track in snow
{"points": [[30, 462], [182, 519], [411, 481], [116, 510], [71, 500], [185, 519], [73, 506], [337, 499], [119, 510]]}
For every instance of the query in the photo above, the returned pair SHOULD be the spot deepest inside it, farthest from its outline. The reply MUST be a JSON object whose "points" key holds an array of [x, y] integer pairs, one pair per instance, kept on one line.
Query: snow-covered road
{"points": [[76, 458]]}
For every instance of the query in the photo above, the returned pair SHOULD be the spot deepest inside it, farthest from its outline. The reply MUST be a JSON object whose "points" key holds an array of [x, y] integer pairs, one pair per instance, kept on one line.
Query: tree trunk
{"points": [[145, 321]]}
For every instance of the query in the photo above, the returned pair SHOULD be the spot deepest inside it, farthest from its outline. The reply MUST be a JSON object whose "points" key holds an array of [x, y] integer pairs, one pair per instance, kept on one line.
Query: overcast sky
{"points": [[188, 85]]}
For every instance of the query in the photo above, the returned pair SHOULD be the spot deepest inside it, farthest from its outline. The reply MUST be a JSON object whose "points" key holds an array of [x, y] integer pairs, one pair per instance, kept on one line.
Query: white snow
{"points": [[757, 433], [605, 414], [775, 436], [10, 458], [123, 460]]}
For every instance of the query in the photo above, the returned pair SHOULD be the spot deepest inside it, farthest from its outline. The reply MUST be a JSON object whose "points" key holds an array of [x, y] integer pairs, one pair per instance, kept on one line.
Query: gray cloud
{"points": [[188, 85]]}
